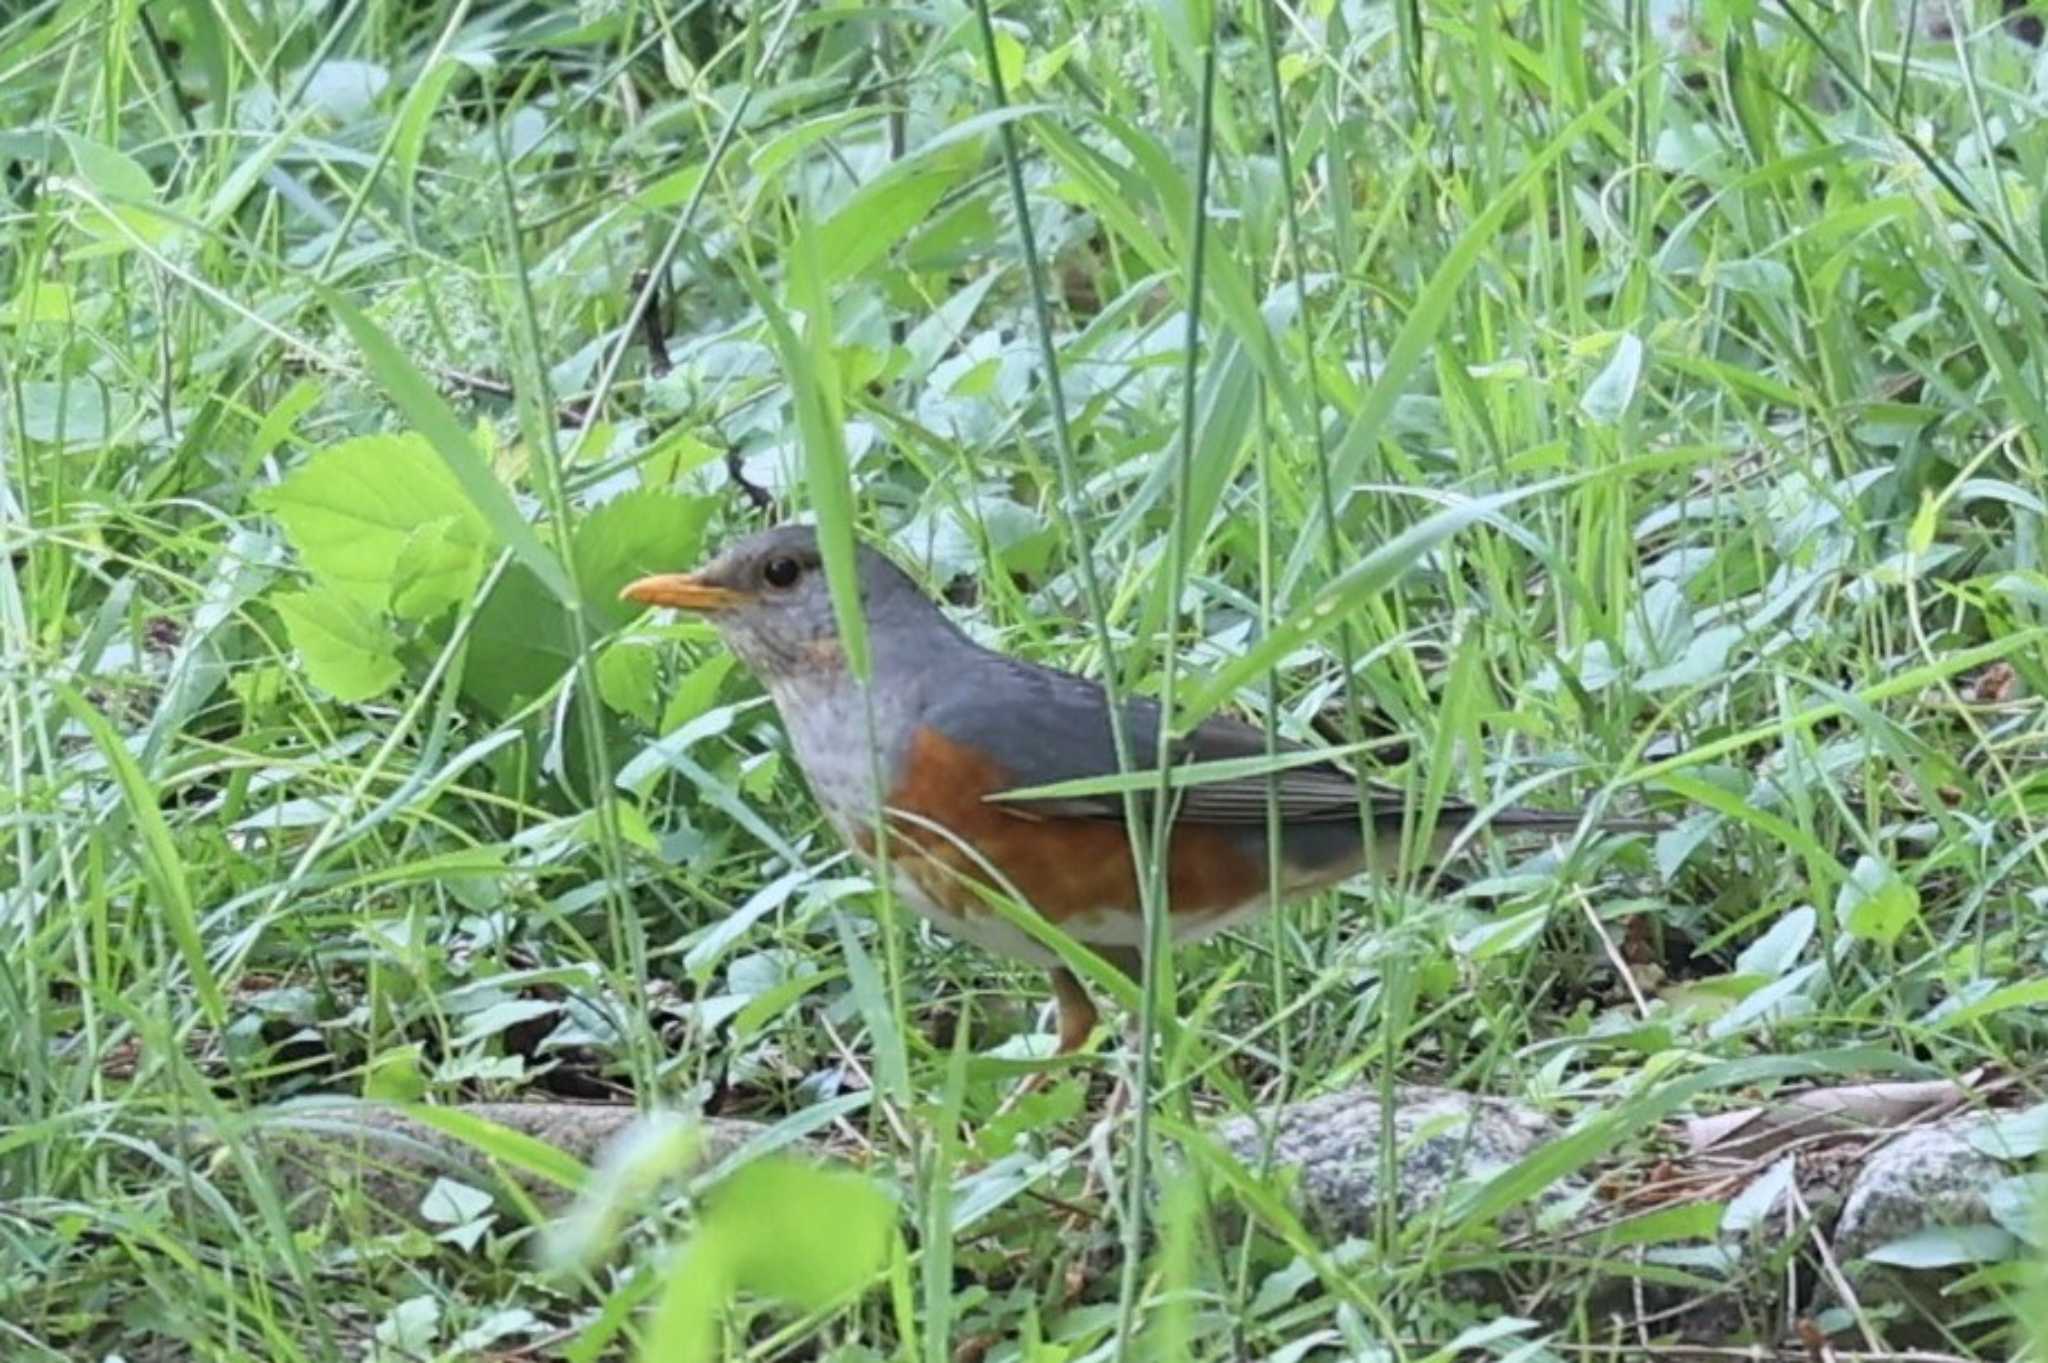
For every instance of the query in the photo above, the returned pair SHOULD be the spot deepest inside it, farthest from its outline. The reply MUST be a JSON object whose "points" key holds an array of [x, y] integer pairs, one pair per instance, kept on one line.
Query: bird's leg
{"points": [[1077, 1017], [1124, 1088], [1132, 963], [1077, 1014]]}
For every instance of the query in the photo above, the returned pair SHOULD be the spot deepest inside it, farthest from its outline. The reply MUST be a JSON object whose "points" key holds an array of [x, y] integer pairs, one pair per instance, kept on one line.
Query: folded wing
{"points": [[1061, 732]]}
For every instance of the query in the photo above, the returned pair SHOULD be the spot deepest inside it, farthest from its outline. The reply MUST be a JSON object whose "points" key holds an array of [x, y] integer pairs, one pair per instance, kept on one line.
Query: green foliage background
{"points": [[1590, 405]]}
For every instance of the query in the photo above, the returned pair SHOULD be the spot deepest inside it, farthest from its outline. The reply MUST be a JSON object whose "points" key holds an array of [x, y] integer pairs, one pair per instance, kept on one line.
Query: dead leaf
{"points": [[1995, 685], [1756, 1132]]}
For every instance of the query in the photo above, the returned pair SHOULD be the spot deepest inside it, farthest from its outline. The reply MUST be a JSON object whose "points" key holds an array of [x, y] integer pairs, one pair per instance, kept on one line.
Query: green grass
{"points": [[1569, 420]]}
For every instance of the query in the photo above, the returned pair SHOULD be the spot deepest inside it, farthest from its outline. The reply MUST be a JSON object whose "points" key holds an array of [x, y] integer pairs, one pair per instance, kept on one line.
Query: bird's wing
{"points": [[1043, 727]]}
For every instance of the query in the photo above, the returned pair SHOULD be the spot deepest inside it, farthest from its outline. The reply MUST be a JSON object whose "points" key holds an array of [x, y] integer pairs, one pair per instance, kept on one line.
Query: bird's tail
{"points": [[1522, 819]]}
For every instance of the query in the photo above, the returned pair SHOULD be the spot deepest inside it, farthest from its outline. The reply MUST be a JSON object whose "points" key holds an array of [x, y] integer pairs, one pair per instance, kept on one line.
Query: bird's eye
{"points": [[782, 572]]}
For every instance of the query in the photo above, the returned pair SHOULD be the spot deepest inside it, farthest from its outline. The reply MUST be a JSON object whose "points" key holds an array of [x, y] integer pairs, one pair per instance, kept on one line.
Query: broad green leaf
{"points": [[634, 830], [351, 509], [1998, 490], [1187, 24], [882, 212], [1499, 936], [2014, 1136], [777, 1228], [1777, 950], [684, 1322], [438, 566], [1780, 998], [451, 1203], [38, 302], [494, 1018], [1705, 658], [1765, 278], [2020, 1204], [342, 90], [396, 1075], [1667, 1225], [436, 421], [1876, 903], [631, 536], [1947, 1247], [1926, 520], [802, 1234], [771, 1003], [948, 540], [1608, 396], [777, 152], [523, 640], [693, 695], [1748, 1209], [277, 423], [1009, 58], [626, 678], [2027, 994], [208, 48], [410, 1328], [667, 191], [77, 414], [520, 643], [119, 183], [349, 650]]}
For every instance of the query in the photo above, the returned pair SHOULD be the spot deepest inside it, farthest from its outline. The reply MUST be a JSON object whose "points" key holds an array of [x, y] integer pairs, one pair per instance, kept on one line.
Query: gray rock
{"points": [[1931, 1176], [1442, 1137], [324, 1152]]}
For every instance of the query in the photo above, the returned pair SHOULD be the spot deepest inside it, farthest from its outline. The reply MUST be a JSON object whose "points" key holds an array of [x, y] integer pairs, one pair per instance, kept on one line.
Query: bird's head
{"points": [[769, 600]]}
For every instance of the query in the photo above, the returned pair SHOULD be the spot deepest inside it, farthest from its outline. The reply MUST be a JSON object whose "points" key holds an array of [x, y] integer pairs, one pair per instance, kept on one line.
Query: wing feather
{"points": [[1046, 727]]}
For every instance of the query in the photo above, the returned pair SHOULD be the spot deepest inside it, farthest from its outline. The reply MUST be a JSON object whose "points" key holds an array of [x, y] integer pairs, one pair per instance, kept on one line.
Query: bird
{"points": [[958, 729]]}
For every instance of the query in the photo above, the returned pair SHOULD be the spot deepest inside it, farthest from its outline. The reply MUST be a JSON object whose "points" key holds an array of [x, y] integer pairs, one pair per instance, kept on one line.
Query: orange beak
{"points": [[684, 591]]}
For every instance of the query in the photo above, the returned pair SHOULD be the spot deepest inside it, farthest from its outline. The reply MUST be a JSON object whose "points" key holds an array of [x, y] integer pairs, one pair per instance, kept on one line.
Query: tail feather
{"points": [[1522, 819]]}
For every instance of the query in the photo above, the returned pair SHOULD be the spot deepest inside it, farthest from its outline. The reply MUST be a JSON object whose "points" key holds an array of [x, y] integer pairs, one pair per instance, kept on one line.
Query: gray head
{"points": [[768, 597]]}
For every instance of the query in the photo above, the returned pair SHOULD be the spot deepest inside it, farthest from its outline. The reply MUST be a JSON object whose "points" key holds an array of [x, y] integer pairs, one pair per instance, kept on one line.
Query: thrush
{"points": [[956, 727]]}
